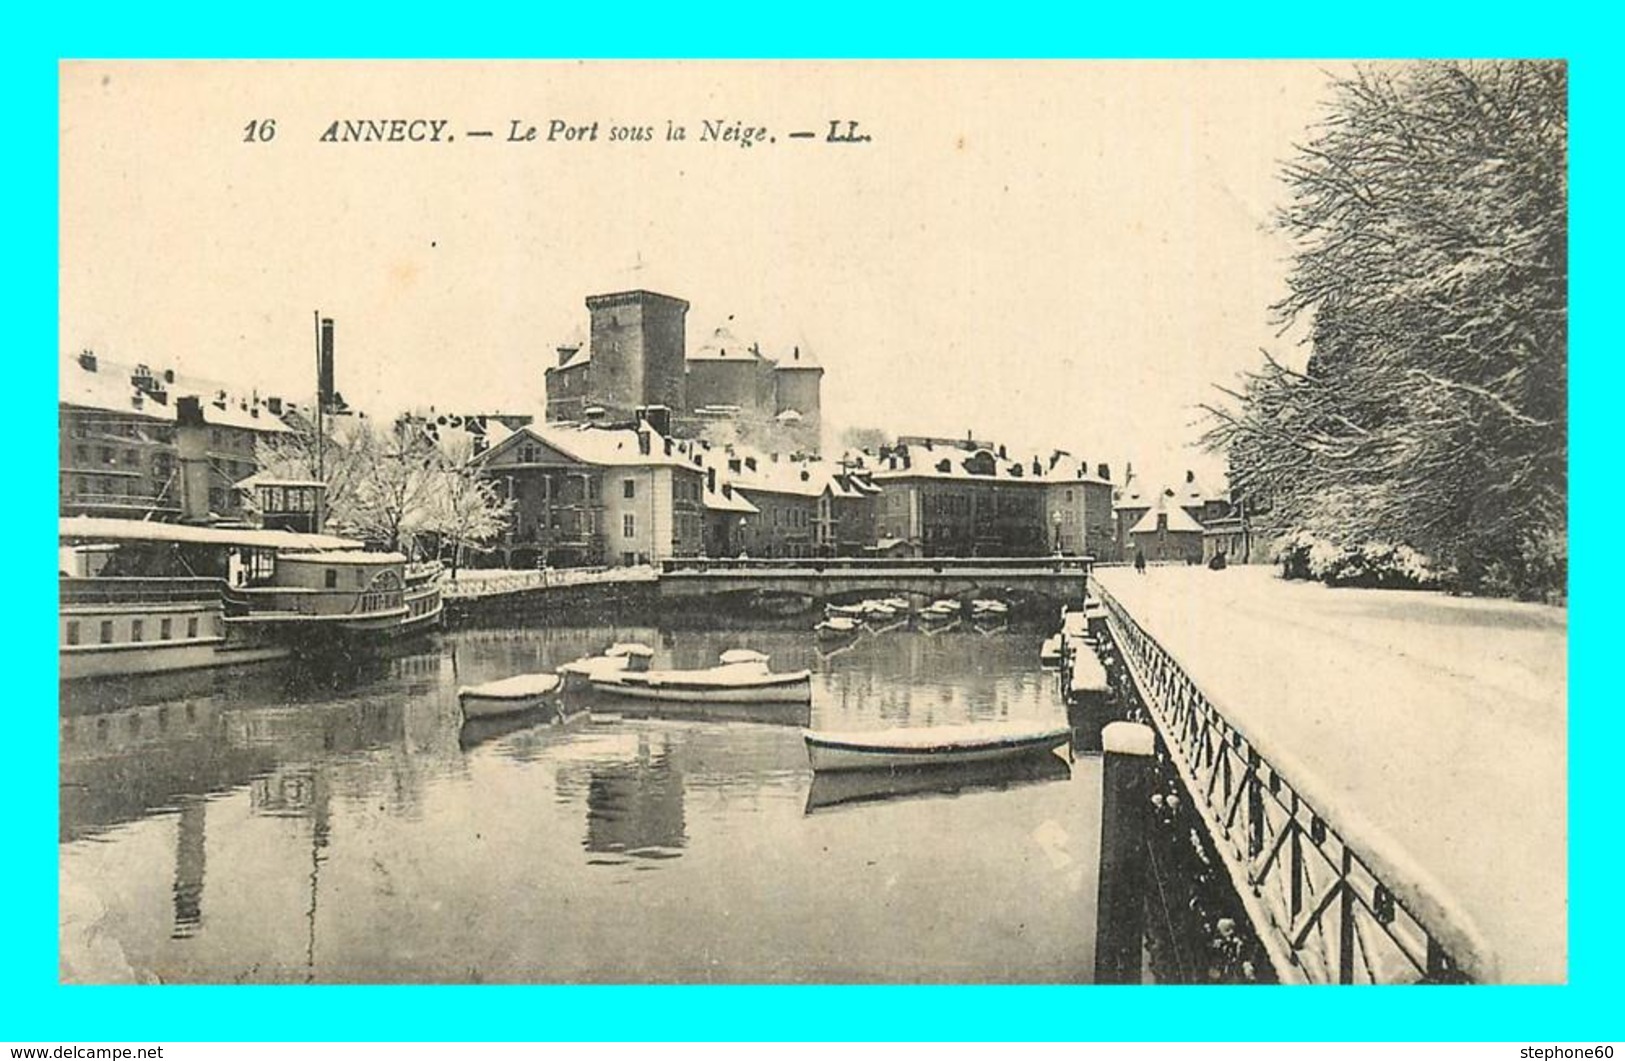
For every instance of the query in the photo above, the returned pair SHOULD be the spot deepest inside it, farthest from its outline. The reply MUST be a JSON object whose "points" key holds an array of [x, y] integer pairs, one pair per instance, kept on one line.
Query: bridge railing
{"points": [[472, 585], [1061, 565], [1333, 902]]}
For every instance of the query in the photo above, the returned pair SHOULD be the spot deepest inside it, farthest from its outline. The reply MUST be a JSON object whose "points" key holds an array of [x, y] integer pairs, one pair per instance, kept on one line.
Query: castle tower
{"points": [[638, 351], [798, 383]]}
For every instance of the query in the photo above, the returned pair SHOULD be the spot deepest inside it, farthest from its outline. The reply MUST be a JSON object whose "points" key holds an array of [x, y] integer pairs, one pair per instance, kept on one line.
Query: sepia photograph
{"points": [[813, 522]]}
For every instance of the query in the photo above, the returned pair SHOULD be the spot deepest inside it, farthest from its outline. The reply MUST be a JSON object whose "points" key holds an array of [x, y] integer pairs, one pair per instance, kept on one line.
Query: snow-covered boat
{"points": [[900, 604], [744, 657], [838, 788], [990, 607], [910, 747], [618, 658], [1049, 653], [836, 627], [726, 684], [878, 612], [511, 696], [845, 611]]}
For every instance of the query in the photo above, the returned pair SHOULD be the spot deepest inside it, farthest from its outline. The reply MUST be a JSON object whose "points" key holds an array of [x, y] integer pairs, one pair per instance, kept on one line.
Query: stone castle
{"points": [[637, 360]]}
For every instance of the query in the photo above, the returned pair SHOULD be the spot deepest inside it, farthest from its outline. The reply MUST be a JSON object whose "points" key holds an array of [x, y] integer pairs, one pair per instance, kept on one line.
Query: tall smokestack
{"points": [[324, 370]]}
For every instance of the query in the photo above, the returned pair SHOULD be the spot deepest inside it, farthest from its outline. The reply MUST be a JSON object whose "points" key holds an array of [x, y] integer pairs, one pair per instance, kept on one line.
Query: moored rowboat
{"points": [[509, 696], [716, 685], [910, 747]]}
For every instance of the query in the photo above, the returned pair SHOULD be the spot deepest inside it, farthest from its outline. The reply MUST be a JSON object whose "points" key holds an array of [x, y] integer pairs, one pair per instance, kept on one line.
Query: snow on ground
{"points": [[1440, 721]]}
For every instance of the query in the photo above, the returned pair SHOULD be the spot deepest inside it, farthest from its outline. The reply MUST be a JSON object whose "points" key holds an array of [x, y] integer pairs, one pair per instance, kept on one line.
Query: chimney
{"points": [[643, 442], [1105, 472], [711, 480], [87, 360], [945, 465], [566, 353], [728, 490], [668, 446], [169, 375], [1002, 454], [656, 416], [324, 365], [806, 476], [775, 457], [1190, 476], [1038, 466], [189, 410], [907, 461], [750, 462], [795, 354], [734, 465]]}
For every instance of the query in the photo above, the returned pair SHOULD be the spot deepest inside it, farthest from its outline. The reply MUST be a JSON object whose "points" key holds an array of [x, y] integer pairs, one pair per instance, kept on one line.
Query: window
{"points": [[137, 627], [629, 488], [191, 627], [107, 631], [330, 579], [629, 526], [73, 631], [166, 629], [628, 559], [106, 454]]}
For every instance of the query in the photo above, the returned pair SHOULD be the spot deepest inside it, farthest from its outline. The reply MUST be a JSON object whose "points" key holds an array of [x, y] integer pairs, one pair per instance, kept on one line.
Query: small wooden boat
{"points": [[845, 611], [990, 607], [878, 612], [511, 696], [837, 627], [726, 684], [831, 789], [743, 657], [1049, 653], [910, 747], [899, 604], [617, 658]]}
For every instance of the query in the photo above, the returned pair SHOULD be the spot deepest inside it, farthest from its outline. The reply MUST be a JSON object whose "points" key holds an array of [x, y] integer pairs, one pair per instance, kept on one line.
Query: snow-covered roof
{"points": [[1178, 520], [951, 462], [109, 387], [730, 500], [724, 345]]}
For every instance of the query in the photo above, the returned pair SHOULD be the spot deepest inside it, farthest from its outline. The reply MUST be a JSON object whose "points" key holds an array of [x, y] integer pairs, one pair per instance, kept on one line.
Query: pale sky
{"points": [[1050, 254]]}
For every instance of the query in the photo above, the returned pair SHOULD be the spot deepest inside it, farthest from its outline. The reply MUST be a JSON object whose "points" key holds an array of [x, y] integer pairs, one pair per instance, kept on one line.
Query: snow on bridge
{"points": [[1433, 727]]}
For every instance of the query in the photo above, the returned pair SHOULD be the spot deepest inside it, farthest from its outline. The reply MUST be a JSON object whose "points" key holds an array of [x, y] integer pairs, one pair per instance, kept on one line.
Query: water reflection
{"points": [[636, 808], [848, 787], [276, 826]]}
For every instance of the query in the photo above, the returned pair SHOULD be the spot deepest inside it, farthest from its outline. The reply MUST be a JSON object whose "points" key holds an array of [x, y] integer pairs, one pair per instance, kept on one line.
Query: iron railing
{"points": [[465, 587], [1331, 904], [1061, 565], [114, 590]]}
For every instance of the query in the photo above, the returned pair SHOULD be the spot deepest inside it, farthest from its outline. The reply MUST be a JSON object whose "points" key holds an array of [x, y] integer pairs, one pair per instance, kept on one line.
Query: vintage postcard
{"points": [[813, 522]]}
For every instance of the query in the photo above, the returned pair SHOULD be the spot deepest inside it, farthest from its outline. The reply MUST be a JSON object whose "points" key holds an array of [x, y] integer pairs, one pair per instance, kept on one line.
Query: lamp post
{"points": [[1056, 516]]}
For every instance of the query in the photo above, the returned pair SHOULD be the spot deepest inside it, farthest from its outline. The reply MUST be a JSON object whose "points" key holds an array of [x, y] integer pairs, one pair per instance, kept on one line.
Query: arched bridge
{"points": [[1055, 578]]}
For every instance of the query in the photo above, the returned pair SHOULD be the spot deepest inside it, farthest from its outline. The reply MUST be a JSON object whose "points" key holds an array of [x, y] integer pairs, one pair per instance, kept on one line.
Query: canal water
{"points": [[270, 825]]}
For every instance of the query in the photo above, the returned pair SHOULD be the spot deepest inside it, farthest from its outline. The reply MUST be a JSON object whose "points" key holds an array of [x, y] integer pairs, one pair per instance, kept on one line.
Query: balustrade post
{"points": [[1124, 825], [1345, 921], [1255, 806]]}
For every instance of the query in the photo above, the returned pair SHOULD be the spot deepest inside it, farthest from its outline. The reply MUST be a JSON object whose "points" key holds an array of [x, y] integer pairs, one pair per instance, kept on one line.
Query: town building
{"points": [[637, 356], [590, 494], [1166, 533], [153, 445], [951, 501]]}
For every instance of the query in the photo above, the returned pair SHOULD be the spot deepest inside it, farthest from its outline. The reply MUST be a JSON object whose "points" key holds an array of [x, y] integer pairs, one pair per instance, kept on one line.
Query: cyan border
{"points": [[33, 1007]]}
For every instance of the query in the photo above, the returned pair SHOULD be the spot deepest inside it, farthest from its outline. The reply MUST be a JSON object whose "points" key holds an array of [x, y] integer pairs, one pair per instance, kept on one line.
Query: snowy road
{"points": [[1440, 721]]}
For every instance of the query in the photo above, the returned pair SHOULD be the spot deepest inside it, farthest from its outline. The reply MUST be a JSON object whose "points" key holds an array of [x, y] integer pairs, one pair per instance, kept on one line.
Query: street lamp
{"points": [[1056, 516]]}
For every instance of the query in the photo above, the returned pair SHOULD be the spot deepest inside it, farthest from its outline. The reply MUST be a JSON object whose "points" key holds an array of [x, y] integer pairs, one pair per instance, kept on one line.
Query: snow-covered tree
{"points": [[465, 509], [1430, 213]]}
